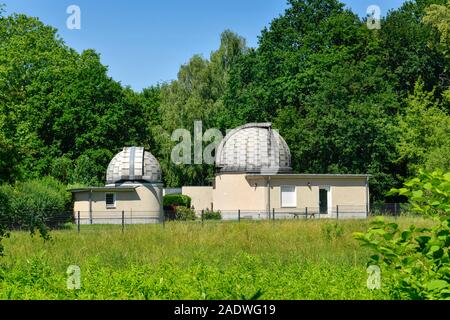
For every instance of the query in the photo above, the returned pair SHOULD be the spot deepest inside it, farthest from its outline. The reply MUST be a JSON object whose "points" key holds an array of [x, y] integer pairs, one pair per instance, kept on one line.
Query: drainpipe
{"points": [[268, 197], [162, 216], [367, 198], [90, 205]]}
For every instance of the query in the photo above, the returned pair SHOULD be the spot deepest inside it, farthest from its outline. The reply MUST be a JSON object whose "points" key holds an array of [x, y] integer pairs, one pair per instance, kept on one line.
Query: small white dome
{"points": [[254, 147], [133, 164]]}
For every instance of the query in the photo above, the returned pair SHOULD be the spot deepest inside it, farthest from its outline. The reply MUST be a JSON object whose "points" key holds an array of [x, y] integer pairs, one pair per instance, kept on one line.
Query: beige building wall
{"points": [[350, 194], [143, 202], [233, 191], [202, 197], [250, 193]]}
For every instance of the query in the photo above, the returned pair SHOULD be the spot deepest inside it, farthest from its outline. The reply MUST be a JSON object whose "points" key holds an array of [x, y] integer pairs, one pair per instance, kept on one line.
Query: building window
{"points": [[288, 197], [110, 200]]}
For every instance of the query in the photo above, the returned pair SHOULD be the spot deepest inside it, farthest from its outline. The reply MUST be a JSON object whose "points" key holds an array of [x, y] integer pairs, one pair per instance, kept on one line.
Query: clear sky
{"points": [[144, 42]]}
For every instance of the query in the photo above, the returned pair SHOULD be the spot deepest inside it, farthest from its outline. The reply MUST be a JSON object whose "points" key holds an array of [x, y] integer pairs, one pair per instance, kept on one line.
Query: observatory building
{"points": [[133, 186], [254, 176], [253, 179]]}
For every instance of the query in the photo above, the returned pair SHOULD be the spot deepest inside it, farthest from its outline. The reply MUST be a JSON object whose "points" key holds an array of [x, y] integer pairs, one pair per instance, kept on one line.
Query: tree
{"points": [[316, 75], [58, 103], [438, 16], [424, 133], [196, 95], [415, 261], [409, 49]]}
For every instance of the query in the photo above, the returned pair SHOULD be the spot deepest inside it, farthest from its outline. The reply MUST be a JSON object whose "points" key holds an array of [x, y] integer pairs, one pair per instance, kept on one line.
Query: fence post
{"points": [[202, 216], [337, 212], [306, 213], [164, 219], [123, 220], [78, 222], [239, 215], [367, 210], [273, 214]]}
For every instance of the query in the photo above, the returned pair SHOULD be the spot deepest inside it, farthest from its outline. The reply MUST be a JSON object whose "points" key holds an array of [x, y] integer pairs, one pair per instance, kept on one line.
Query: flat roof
{"points": [[310, 175], [104, 189]]}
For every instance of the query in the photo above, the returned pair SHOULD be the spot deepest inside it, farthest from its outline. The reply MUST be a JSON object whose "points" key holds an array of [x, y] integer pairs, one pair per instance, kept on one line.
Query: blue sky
{"points": [[144, 42]]}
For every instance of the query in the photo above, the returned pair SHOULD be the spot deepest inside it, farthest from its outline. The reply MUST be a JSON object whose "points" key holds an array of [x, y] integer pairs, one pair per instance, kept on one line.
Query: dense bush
{"points": [[416, 261], [212, 215], [332, 231], [428, 194], [34, 204], [3, 209], [177, 200], [184, 214]]}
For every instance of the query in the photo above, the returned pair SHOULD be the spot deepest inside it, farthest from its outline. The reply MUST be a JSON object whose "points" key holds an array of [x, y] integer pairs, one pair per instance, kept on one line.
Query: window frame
{"points": [[295, 196], [110, 206]]}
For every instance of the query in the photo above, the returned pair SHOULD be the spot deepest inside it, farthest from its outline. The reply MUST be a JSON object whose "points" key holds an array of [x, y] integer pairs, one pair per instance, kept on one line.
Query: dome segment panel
{"points": [[133, 164], [254, 147]]}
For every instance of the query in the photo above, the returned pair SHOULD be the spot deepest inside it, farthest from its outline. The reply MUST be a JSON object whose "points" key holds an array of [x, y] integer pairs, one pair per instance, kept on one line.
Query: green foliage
{"points": [[177, 200], [32, 204], [196, 95], [286, 260], [345, 98], [184, 214], [87, 168], [212, 215], [56, 103], [415, 261], [332, 231], [424, 133], [428, 194], [4, 217], [316, 74], [438, 16]]}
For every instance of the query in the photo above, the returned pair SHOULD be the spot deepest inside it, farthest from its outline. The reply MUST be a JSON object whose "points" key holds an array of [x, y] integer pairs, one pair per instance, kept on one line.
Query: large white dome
{"points": [[133, 164], [253, 148]]}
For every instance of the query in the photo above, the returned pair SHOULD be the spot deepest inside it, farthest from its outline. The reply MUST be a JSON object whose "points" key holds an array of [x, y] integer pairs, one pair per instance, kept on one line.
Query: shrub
{"points": [[332, 231], [35, 203], [428, 194], [4, 208], [416, 260], [177, 200], [184, 214], [212, 215]]}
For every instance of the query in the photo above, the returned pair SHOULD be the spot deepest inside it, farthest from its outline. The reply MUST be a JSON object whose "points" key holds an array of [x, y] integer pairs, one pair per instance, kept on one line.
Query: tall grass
{"points": [[314, 259]]}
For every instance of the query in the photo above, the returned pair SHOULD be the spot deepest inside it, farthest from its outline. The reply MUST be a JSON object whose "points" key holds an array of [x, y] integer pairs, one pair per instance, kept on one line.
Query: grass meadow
{"points": [[296, 259]]}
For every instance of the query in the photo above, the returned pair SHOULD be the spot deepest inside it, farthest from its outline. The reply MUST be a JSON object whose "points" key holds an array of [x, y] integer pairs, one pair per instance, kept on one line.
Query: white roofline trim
{"points": [[305, 175], [104, 189]]}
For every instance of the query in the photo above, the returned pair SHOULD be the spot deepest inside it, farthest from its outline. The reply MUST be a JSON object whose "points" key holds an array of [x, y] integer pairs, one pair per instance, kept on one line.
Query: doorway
{"points": [[325, 200]]}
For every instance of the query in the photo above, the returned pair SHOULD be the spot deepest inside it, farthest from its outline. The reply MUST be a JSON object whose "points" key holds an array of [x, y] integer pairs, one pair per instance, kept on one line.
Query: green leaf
{"points": [[447, 176], [417, 194], [434, 249], [406, 235], [437, 284]]}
